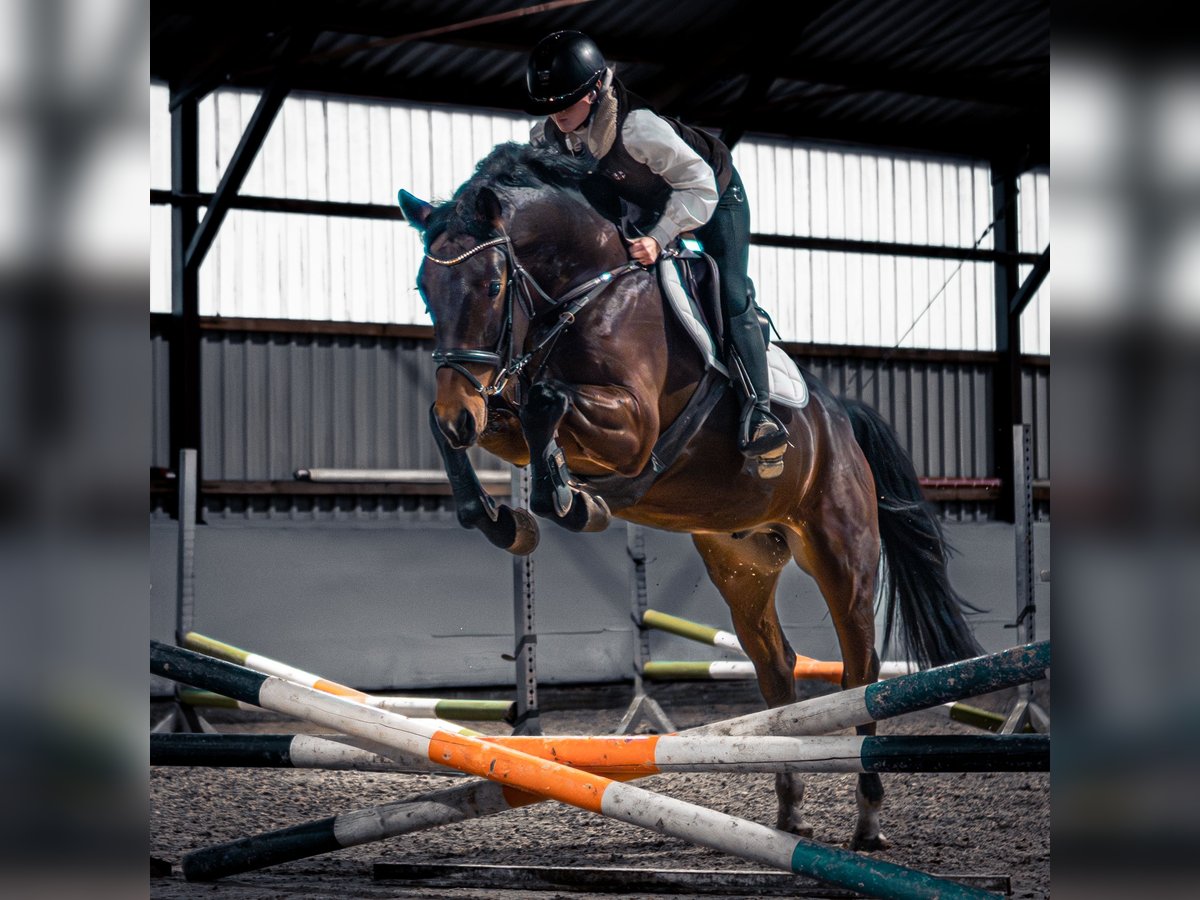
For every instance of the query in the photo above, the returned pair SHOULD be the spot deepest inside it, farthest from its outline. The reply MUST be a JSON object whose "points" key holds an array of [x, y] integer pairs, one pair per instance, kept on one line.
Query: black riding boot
{"points": [[760, 434]]}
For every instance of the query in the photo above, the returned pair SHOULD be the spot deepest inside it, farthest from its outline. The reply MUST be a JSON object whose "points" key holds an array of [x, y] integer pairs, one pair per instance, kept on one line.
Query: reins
{"points": [[504, 357]]}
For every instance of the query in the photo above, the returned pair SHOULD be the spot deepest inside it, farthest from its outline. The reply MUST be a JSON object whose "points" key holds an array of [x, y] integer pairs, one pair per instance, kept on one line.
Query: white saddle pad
{"points": [[787, 384]]}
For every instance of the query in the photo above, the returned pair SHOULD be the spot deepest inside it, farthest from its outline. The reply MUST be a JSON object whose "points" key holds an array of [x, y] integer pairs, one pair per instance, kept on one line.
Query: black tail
{"points": [[933, 630]]}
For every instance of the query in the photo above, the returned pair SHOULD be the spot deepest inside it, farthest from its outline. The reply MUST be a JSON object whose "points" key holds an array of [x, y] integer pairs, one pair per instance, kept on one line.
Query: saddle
{"points": [[690, 281], [690, 284]]}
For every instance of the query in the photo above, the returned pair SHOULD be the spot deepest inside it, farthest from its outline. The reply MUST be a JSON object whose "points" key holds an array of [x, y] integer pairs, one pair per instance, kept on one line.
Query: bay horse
{"points": [[555, 351]]}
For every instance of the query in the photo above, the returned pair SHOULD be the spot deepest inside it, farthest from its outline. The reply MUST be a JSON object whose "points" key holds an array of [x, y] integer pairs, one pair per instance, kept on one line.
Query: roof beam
{"points": [[247, 149]]}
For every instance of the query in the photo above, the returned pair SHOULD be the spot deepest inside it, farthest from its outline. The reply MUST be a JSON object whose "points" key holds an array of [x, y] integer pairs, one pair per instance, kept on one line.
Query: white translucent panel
{"points": [[310, 267], [291, 266], [935, 226], [160, 137], [422, 153], [869, 198], [359, 175], [160, 259], [1033, 236], [785, 210], [852, 181], [819, 192], [316, 137], [382, 189], [766, 197], [966, 207], [983, 209], [836, 188], [918, 217], [887, 199]]}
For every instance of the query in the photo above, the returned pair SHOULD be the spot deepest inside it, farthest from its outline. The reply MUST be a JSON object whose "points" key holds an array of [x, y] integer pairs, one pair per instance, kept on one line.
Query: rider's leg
{"points": [[726, 237]]}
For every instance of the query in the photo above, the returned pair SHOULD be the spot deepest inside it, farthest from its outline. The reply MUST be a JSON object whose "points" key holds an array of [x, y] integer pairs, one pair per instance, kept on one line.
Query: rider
{"points": [[672, 179]]}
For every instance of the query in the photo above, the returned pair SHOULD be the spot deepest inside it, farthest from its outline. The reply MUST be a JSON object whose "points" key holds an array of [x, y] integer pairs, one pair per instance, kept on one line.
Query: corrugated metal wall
{"points": [[277, 265], [274, 403]]}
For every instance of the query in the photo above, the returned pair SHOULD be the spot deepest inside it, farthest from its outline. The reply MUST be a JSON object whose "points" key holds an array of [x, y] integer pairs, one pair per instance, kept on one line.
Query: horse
{"points": [[553, 350]]}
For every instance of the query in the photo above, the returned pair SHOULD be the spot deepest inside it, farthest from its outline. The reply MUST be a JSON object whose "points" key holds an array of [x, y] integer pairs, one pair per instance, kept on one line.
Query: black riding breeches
{"points": [[726, 238]]}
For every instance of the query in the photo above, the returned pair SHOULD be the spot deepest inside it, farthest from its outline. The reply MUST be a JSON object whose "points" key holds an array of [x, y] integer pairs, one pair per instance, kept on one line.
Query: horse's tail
{"points": [[915, 582]]}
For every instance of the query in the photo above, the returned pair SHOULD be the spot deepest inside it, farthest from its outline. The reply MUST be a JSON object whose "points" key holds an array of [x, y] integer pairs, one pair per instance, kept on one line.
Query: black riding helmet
{"points": [[562, 68]]}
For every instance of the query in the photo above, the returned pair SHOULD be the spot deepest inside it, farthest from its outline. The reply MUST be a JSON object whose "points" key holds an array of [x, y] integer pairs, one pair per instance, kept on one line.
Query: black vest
{"points": [[634, 181]]}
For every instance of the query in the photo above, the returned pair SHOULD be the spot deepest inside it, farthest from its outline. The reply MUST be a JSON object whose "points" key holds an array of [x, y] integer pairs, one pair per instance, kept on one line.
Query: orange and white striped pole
{"points": [[735, 670]]}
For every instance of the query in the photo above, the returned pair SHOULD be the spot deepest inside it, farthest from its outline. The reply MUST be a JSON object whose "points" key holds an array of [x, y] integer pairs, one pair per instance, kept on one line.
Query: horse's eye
{"points": [[493, 288]]}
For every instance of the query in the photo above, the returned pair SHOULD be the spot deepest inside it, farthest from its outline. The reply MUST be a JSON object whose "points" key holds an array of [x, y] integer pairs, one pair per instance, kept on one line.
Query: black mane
{"points": [[510, 165]]}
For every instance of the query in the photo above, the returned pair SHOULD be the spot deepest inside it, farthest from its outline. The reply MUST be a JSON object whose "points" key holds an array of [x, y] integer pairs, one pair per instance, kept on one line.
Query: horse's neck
{"points": [[571, 242]]}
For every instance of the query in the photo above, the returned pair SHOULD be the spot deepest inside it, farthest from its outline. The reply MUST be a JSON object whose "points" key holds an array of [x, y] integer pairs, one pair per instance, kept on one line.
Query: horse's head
{"points": [[469, 281], [464, 282]]}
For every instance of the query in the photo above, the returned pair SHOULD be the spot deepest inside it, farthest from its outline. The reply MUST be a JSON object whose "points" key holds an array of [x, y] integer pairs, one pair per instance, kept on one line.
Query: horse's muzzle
{"points": [[459, 430]]}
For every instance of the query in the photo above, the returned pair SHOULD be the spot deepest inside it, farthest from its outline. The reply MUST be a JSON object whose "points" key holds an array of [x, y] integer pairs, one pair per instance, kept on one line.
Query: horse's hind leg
{"points": [[746, 571], [840, 549]]}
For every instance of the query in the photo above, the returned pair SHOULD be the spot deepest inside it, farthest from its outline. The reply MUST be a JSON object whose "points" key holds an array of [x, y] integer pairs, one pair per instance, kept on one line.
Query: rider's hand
{"points": [[645, 250]]}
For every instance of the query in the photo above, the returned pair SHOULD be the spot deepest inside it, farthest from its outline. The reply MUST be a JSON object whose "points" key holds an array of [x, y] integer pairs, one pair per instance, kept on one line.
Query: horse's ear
{"points": [[487, 208], [415, 211]]}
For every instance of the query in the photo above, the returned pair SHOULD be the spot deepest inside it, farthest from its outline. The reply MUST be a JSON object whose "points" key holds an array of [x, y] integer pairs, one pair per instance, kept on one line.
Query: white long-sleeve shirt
{"points": [[650, 140]]}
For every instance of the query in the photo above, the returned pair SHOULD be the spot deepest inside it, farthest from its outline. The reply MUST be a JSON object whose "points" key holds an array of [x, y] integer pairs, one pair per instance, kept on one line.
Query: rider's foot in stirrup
{"points": [[767, 436]]}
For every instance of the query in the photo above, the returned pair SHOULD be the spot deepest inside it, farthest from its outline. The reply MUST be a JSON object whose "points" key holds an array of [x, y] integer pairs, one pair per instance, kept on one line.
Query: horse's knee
{"points": [[545, 404]]}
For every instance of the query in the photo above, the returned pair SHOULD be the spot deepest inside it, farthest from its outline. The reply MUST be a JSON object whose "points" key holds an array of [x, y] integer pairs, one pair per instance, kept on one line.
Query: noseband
{"points": [[504, 357]]}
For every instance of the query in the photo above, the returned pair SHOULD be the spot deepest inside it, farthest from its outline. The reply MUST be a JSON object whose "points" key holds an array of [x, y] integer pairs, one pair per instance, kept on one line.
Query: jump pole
{"points": [[416, 707], [735, 670], [587, 791], [465, 802], [280, 751], [743, 670], [730, 670], [640, 756]]}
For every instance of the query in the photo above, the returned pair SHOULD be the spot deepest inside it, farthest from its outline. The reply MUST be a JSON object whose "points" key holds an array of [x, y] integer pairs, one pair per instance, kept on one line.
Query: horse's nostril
{"points": [[459, 431], [465, 427]]}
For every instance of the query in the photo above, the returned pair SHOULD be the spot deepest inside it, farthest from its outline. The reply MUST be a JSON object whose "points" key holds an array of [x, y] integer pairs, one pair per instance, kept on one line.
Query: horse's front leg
{"points": [[510, 529], [551, 494]]}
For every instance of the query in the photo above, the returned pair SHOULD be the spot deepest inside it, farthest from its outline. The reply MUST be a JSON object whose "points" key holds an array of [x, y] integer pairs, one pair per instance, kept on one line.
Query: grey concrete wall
{"points": [[380, 605]]}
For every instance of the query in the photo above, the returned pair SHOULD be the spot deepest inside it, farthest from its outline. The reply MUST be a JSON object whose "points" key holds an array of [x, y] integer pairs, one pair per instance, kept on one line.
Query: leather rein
{"points": [[504, 357]]}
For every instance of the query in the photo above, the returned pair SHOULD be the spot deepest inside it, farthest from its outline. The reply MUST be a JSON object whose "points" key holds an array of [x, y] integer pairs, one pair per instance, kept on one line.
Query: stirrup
{"points": [[769, 437]]}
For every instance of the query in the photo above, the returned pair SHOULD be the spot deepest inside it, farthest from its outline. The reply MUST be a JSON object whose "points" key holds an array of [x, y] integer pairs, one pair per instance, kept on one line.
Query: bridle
{"points": [[504, 357]]}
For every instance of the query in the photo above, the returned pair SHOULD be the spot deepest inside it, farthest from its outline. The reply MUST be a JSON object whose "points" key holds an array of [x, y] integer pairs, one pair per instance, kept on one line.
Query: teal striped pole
{"points": [[667, 753], [896, 696]]}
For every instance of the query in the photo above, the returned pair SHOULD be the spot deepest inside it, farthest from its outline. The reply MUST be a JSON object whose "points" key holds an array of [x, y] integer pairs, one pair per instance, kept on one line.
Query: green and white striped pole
{"points": [[550, 780], [415, 707], [693, 631]]}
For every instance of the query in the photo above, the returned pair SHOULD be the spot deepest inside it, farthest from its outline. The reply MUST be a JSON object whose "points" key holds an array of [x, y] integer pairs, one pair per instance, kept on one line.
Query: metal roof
{"points": [[954, 77]]}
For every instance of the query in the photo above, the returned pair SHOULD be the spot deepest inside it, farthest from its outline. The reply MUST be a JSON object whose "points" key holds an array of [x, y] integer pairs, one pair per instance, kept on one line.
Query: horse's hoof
{"points": [[598, 514], [527, 534], [796, 826], [869, 843]]}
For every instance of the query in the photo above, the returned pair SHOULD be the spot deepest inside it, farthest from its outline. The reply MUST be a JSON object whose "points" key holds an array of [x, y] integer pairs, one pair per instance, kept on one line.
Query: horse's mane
{"points": [[510, 165]]}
